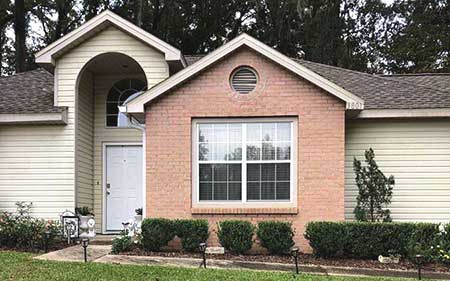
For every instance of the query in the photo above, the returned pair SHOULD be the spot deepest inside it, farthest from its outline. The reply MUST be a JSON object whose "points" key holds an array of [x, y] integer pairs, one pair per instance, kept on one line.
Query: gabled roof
{"points": [[98, 23], [352, 101]]}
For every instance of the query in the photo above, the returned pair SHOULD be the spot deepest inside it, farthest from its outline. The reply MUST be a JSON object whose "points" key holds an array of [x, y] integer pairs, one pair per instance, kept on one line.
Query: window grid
{"points": [[244, 161]]}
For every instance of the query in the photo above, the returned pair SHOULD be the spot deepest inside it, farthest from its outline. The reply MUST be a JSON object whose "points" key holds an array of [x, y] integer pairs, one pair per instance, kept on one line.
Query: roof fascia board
{"points": [[34, 118], [352, 101], [403, 113], [170, 52]]}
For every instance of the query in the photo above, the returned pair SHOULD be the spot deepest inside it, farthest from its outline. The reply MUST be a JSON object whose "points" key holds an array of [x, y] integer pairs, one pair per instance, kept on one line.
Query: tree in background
{"points": [[20, 27], [6, 17], [374, 190]]}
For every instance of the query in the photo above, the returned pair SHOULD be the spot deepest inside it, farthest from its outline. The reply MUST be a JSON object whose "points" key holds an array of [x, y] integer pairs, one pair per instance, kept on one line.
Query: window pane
{"points": [[112, 108], [204, 152], [268, 151], [220, 133], [235, 152], [283, 131], [235, 132], [113, 95], [253, 132], [268, 172], [220, 191], [254, 151], [283, 172], [205, 191], [267, 191], [138, 85], [205, 172], [220, 172], [268, 132], [205, 132], [234, 172], [253, 172], [253, 191], [234, 191], [283, 150], [220, 151], [283, 191]]}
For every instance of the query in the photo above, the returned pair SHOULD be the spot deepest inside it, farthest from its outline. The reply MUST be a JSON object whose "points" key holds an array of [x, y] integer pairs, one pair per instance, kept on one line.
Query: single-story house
{"points": [[244, 132]]}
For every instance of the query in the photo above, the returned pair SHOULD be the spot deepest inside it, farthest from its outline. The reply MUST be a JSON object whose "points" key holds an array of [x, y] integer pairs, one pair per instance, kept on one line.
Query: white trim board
{"points": [[403, 113], [35, 118], [352, 101], [48, 54]]}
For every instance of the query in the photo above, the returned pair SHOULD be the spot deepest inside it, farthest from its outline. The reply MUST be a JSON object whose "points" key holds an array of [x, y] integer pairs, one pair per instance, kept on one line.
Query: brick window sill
{"points": [[244, 211]]}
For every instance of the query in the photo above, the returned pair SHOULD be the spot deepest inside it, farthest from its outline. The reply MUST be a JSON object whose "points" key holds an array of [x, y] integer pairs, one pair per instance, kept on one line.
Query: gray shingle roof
{"points": [[32, 91], [384, 92], [28, 92]]}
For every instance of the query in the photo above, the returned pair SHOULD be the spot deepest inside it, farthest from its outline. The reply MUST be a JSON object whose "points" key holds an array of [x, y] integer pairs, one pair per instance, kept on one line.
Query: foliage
{"points": [[22, 266], [367, 240], [236, 236], [84, 211], [192, 232], [374, 190], [276, 236], [121, 244], [21, 231], [157, 233], [138, 211]]}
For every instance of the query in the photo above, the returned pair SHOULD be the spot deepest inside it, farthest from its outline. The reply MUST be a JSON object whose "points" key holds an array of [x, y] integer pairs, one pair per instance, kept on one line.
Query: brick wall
{"points": [[321, 124]]}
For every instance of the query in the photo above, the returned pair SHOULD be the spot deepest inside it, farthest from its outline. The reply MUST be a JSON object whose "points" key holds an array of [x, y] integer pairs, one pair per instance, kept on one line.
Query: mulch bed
{"points": [[306, 259], [59, 245]]}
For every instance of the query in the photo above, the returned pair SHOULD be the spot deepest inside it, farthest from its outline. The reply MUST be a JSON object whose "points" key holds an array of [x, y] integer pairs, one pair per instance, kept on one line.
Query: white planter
{"points": [[87, 224], [138, 221]]}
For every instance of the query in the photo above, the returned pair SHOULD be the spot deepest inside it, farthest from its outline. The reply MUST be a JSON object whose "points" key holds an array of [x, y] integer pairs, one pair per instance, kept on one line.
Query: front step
{"points": [[103, 239]]}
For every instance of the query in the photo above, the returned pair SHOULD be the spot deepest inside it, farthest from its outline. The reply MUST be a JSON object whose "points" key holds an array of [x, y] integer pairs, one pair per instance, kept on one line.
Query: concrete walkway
{"points": [[101, 254]]}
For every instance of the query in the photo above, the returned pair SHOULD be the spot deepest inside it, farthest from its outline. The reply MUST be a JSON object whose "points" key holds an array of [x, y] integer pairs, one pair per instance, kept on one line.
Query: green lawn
{"points": [[20, 266]]}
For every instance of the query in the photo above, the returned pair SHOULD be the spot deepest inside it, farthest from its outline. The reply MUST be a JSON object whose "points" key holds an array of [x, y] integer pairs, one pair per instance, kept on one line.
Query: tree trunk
{"points": [[139, 13], [20, 34]]}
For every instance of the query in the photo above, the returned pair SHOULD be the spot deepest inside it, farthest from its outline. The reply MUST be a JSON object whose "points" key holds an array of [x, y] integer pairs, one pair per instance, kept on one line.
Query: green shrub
{"points": [[192, 232], [156, 233], [367, 240], [23, 232], [276, 236], [236, 236], [121, 244]]}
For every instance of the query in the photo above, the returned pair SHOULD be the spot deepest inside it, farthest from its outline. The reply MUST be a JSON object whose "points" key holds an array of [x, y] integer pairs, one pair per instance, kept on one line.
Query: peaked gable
{"points": [[352, 101], [98, 23]]}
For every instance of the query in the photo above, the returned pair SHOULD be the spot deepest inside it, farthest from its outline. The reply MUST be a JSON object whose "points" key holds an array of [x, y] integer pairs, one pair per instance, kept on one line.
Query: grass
{"points": [[21, 266]]}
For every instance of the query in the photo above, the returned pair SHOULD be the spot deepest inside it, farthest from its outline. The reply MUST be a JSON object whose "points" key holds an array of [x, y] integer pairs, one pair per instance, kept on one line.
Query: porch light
{"points": [[84, 244], [294, 254], [202, 247], [419, 262]]}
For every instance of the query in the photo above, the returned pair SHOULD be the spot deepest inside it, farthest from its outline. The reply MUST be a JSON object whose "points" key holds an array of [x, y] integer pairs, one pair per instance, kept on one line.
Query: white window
{"points": [[244, 162]]}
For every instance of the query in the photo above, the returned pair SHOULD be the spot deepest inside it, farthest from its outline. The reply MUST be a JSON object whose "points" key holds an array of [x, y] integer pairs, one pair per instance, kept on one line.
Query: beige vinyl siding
{"points": [[36, 164], [103, 135], [84, 142], [68, 68], [417, 153]]}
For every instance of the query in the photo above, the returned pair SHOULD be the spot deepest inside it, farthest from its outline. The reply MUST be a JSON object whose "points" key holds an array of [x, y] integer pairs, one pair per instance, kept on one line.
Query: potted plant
{"points": [[138, 217], [85, 214]]}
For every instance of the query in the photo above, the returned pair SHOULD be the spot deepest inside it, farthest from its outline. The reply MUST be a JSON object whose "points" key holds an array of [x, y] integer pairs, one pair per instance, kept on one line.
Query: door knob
{"points": [[108, 186]]}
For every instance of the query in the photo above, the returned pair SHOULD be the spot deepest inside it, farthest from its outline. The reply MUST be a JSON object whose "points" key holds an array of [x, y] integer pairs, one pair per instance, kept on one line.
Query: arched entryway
{"points": [[109, 164]]}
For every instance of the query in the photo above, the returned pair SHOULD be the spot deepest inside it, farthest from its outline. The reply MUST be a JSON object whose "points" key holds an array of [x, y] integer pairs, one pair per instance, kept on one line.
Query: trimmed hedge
{"points": [[192, 232], [367, 240], [236, 236], [156, 233], [276, 236], [121, 244]]}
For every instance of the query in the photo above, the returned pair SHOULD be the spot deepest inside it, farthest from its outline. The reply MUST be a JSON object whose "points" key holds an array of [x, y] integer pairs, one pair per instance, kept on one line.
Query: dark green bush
{"points": [[367, 240], [121, 244], [236, 236], [276, 236], [23, 232], [192, 232], [156, 233]]}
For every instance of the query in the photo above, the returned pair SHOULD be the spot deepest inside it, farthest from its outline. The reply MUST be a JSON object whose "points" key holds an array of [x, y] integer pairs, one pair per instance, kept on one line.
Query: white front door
{"points": [[124, 190]]}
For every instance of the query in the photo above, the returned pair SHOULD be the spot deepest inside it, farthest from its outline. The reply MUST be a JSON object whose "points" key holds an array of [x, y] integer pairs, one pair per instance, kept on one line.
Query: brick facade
{"points": [[320, 151]]}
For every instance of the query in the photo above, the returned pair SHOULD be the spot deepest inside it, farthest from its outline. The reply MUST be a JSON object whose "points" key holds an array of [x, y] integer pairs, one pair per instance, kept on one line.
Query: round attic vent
{"points": [[243, 80]]}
